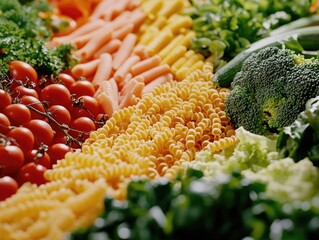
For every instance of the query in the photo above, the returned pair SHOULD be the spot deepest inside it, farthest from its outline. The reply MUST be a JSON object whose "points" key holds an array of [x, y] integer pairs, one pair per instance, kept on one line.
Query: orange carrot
{"points": [[125, 81], [105, 97], [137, 17], [122, 32], [135, 91], [141, 51], [119, 7], [133, 4], [124, 50], [95, 43], [104, 69], [111, 47], [145, 65], [99, 9], [85, 69], [130, 84], [155, 72], [157, 81], [125, 68], [80, 41], [115, 89], [82, 30]]}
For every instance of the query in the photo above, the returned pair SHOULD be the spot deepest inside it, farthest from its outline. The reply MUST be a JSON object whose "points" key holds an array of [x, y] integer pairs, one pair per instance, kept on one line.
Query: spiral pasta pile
{"points": [[167, 32], [153, 138]]}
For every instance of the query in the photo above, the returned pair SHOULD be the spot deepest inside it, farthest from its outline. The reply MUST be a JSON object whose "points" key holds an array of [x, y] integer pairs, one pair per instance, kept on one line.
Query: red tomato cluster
{"points": [[40, 121]]}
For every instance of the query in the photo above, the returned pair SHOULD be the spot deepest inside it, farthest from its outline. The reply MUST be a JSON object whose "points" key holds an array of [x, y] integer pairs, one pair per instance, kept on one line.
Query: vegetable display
{"points": [[119, 119]]}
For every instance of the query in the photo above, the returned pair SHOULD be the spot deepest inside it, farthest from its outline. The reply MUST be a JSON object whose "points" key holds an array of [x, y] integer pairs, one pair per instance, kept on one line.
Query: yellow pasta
{"points": [[174, 55], [173, 48], [151, 139]]}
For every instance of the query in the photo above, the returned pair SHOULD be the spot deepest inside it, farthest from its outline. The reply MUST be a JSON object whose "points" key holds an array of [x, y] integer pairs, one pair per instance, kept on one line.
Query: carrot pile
{"points": [[109, 56]]}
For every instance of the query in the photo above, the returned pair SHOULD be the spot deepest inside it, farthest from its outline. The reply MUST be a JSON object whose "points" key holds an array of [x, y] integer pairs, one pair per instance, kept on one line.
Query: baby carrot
{"points": [[115, 89], [125, 68], [137, 17], [120, 7], [105, 97], [95, 43], [80, 31], [158, 81], [110, 47], [104, 69], [145, 65], [124, 50], [140, 50], [155, 72], [85, 69], [135, 91], [130, 84], [125, 81], [133, 4], [122, 32]]}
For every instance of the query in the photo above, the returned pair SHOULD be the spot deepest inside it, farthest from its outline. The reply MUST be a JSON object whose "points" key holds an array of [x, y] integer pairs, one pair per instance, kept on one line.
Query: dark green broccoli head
{"points": [[263, 74], [243, 102], [275, 83]]}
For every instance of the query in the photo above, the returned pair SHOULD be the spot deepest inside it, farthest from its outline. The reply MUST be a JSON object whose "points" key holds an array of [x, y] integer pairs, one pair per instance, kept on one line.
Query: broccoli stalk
{"points": [[271, 89]]}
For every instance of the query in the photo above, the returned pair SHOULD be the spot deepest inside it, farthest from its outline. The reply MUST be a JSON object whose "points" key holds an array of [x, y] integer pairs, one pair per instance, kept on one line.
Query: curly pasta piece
{"points": [[151, 139]]}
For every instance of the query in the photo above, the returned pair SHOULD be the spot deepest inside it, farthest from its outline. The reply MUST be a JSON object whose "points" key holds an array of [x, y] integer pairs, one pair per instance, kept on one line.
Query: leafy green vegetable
{"points": [[225, 28], [225, 207], [253, 152], [23, 36], [271, 89], [301, 138], [255, 157]]}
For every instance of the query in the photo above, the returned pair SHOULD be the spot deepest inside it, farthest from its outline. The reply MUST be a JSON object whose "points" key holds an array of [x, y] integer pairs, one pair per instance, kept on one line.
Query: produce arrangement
{"points": [[145, 119]]}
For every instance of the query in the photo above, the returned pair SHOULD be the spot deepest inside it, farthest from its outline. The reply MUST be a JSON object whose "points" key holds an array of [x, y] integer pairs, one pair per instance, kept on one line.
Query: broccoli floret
{"points": [[274, 85]]}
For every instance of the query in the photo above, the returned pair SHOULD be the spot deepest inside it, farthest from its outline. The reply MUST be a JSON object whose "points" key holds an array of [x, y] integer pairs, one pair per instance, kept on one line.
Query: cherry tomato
{"points": [[11, 159], [23, 71], [61, 115], [83, 124], [66, 79], [90, 107], [42, 132], [23, 138], [4, 124], [59, 137], [82, 88], [33, 173], [56, 94], [20, 91], [34, 103], [57, 151], [8, 187], [34, 156], [5, 99], [17, 113]]}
